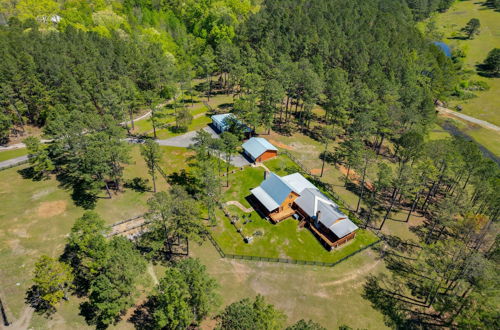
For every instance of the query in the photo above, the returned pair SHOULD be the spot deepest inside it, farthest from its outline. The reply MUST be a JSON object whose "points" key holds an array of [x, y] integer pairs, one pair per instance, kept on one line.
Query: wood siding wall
{"points": [[267, 155]]}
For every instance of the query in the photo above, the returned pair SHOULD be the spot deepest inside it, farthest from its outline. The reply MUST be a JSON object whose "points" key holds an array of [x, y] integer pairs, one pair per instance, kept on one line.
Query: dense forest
{"points": [[127, 50], [79, 69]]}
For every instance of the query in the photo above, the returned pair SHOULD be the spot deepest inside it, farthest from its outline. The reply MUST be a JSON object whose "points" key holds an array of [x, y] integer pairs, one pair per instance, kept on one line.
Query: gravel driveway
{"points": [[185, 140]]}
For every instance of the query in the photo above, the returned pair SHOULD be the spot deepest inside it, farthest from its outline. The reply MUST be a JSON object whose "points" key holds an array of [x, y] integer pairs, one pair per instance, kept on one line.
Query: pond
{"points": [[444, 47]]}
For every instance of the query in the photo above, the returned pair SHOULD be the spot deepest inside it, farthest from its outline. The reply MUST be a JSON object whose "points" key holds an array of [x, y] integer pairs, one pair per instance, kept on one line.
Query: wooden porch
{"points": [[278, 216], [332, 243]]}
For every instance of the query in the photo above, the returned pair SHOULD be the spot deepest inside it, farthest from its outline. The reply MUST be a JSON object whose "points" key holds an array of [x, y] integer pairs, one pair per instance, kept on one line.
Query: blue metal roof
{"points": [[221, 121], [273, 188], [256, 146], [266, 200]]}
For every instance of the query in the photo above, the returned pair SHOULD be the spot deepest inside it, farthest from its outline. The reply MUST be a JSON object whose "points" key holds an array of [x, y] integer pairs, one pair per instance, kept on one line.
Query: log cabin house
{"points": [[259, 149], [281, 197]]}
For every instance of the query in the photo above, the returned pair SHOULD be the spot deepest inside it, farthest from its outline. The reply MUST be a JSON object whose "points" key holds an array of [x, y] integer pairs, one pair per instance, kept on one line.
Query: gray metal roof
{"points": [[298, 182], [312, 200], [274, 190], [256, 146]]}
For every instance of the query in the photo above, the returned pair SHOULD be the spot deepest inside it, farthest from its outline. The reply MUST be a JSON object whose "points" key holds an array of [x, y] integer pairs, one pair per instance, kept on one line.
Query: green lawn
{"points": [[487, 138], [197, 109], [283, 240], [197, 124], [9, 154], [486, 106]]}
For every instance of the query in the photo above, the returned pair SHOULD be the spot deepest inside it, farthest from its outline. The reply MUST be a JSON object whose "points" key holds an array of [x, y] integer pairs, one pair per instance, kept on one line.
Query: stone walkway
{"points": [[240, 206]]}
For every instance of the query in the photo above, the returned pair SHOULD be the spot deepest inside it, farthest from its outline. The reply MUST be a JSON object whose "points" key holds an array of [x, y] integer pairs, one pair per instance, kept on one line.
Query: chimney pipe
{"points": [[316, 218]]}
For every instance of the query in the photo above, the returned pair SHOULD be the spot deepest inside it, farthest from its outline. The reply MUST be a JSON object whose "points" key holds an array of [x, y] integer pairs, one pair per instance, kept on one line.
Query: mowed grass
{"points": [[36, 216], [9, 154], [197, 109], [196, 124], [331, 296], [487, 138], [283, 240], [486, 106]]}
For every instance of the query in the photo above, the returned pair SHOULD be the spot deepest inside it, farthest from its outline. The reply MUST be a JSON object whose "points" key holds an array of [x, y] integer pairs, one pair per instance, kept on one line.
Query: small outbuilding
{"points": [[227, 121], [259, 149]]}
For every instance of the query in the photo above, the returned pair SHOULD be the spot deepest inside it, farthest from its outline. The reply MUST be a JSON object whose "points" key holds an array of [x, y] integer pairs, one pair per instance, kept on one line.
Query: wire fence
{"points": [[127, 220], [283, 260]]}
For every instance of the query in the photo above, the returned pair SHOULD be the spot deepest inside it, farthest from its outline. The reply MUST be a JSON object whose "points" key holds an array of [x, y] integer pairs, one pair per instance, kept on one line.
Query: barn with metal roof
{"points": [[259, 149]]}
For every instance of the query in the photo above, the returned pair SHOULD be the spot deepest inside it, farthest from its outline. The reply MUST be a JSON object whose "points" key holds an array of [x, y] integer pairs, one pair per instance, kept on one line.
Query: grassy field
{"points": [[283, 240], [37, 215], [485, 137], [35, 218], [486, 106], [330, 296], [9, 154], [197, 109]]}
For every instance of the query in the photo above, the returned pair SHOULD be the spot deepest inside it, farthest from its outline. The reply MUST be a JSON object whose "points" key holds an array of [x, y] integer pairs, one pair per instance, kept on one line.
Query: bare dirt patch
{"points": [[354, 177], [281, 145], [20, 232], [317, 171], [23, 321], [361, 272], [208, 324], [240, 271], [50, 209]]}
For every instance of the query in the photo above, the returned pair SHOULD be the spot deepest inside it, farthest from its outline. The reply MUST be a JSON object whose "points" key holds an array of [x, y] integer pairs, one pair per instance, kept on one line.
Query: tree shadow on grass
{"points": [[89, 313], [81, 197], [34, 299], [30, 174], [484, 71], [185, 180], [138, 184], [226, 106], [143, 315]]}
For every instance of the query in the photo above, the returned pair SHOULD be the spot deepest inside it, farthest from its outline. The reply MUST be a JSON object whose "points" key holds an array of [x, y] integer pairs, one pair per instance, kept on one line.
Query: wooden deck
{"points": [[282, 215], [328, 241]]}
